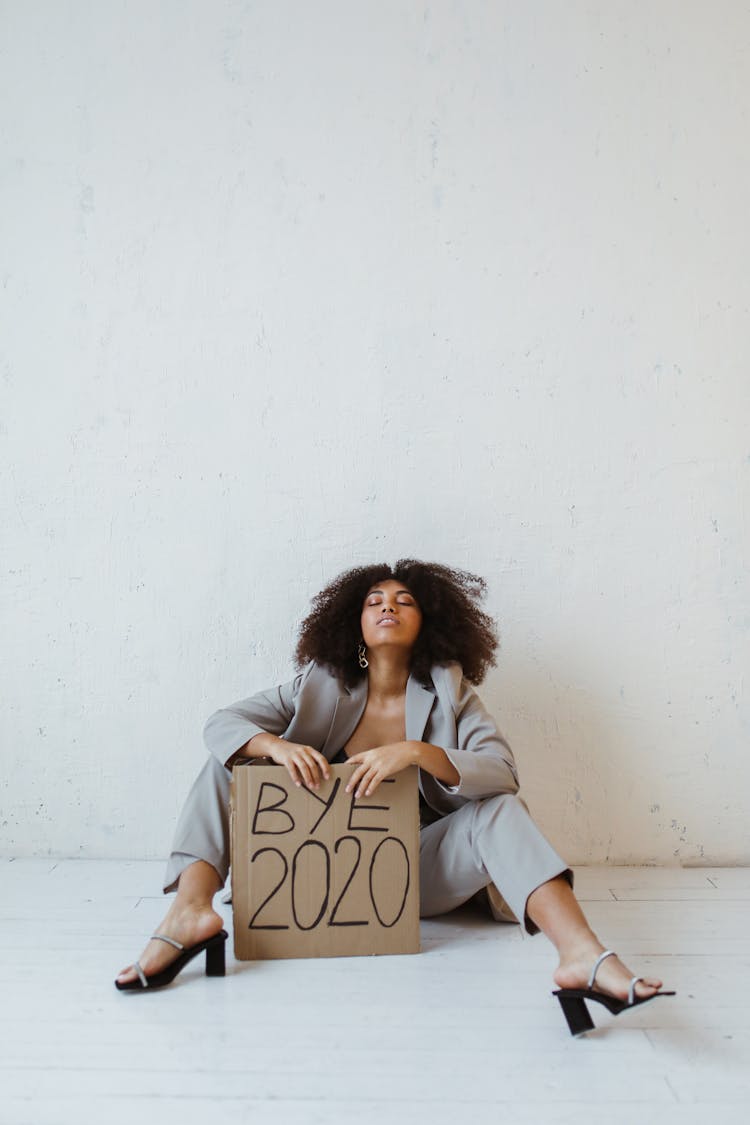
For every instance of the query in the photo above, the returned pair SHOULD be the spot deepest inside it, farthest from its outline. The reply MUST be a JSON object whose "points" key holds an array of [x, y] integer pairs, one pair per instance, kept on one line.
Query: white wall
{"points": [[290, 286]]}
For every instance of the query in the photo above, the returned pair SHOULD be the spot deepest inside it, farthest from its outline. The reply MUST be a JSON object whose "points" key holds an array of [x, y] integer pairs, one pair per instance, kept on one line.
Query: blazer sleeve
{"points": [[482, 758], [268, 711]]}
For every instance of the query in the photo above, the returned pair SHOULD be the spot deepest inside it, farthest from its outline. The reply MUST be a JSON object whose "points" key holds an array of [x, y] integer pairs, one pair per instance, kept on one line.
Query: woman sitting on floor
{"points": [[393, 652]]}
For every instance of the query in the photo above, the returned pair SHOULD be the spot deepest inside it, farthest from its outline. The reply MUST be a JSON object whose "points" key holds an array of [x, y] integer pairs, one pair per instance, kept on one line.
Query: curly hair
{"points": [[453, 625]]}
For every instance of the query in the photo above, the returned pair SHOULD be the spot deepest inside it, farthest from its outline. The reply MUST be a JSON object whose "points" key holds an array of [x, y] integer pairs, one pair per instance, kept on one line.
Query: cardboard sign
{"points": [[322, 873]]}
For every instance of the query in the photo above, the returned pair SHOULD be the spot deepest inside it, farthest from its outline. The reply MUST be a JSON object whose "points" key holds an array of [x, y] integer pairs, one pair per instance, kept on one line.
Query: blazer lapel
{"points": [[419, 701], [349, 709]]}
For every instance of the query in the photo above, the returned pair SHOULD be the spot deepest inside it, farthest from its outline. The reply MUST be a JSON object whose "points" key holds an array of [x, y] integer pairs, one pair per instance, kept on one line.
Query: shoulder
{"points": [[450, 683], [315, 679]]}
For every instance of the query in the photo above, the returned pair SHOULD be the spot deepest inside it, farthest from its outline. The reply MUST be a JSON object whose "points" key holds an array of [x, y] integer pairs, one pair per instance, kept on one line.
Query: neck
{"points": [[388, 674]]}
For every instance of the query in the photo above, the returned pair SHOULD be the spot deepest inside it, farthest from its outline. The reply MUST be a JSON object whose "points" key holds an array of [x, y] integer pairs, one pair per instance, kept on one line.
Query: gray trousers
{"points": [[492, 841]]}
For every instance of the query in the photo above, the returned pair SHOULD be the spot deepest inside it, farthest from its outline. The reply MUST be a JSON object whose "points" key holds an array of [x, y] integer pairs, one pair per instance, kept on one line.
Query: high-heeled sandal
{"points": [[572, 1000], [215, 965]]}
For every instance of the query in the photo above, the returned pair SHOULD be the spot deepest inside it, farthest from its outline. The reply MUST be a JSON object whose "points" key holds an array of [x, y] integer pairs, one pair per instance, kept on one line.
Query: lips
{"points": [[387, 621]]}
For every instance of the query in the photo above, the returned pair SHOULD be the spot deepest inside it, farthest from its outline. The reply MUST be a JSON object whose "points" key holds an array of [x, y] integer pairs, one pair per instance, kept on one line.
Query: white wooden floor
{"points": [[467, 1030]]}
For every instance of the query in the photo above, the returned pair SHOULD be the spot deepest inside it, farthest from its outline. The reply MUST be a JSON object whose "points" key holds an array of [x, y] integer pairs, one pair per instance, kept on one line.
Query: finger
{"points": [[351, 783], [322, 764], [293, 772], [373, 783], [354, 779], [304, 768], [367, 780], [318, 765], [309, 770]]}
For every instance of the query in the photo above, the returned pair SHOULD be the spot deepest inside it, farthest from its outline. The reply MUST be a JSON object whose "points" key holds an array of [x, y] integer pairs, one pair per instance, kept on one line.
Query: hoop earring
{"points": [[363, 661]]}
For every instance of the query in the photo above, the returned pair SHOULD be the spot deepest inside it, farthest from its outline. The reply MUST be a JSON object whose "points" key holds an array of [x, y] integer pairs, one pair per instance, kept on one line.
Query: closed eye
{"points": [[399, 601]]}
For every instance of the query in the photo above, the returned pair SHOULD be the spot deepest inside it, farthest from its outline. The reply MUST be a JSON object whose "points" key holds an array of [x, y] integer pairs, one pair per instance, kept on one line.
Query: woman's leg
{"points": [[190, 919], [495, 840], [489, 841], [202, 830], [197, 868], [555, 910]]}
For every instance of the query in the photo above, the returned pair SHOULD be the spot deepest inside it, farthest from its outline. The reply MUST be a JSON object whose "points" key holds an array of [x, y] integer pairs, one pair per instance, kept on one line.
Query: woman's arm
{"points": [[304, 764], [374, 766], [434, 760], [228, 732], [480, 754]]}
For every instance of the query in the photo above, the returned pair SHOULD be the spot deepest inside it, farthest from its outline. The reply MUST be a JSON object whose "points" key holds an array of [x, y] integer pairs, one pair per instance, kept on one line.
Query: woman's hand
{"points": [[373, 766], [305, 765]]}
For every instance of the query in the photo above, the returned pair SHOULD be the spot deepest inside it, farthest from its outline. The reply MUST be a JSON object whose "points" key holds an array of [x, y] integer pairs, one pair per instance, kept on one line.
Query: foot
{"points": [[188, 925], [612, 977]]}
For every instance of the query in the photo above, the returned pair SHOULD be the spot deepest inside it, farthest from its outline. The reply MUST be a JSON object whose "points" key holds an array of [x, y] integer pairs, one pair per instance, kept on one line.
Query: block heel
{"points": [[215, 964], [576, 1014]]}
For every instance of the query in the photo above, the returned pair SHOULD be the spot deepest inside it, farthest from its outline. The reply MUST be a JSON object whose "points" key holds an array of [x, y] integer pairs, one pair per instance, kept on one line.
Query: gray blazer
{"points": [[315, 709]]}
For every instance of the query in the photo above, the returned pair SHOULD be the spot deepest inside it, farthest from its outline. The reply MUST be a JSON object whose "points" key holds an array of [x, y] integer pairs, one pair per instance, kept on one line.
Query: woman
{"points": [[389, 656]]}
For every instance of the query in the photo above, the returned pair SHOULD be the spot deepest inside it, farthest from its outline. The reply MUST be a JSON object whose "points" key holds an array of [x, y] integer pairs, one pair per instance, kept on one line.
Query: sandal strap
{"points": [[631, 989], [597, 963], [141, 975], [168, 940]]}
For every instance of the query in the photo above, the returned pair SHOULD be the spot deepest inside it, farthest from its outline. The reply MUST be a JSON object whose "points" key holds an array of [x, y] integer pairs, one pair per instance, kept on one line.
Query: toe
{"points": [[647, 987]]}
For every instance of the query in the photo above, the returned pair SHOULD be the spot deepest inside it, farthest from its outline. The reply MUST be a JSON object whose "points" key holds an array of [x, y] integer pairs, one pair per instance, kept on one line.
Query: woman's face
{"points": [[390, 616]]}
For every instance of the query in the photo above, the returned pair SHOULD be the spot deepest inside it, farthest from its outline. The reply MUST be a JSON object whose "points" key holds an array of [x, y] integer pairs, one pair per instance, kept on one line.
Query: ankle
{"points": [[191, 906], [581, 946]]}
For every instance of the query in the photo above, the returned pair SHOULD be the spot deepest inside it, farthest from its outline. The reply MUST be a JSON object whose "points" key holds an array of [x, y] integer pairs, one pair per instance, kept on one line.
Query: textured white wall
{"points": [[290, 286]]}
